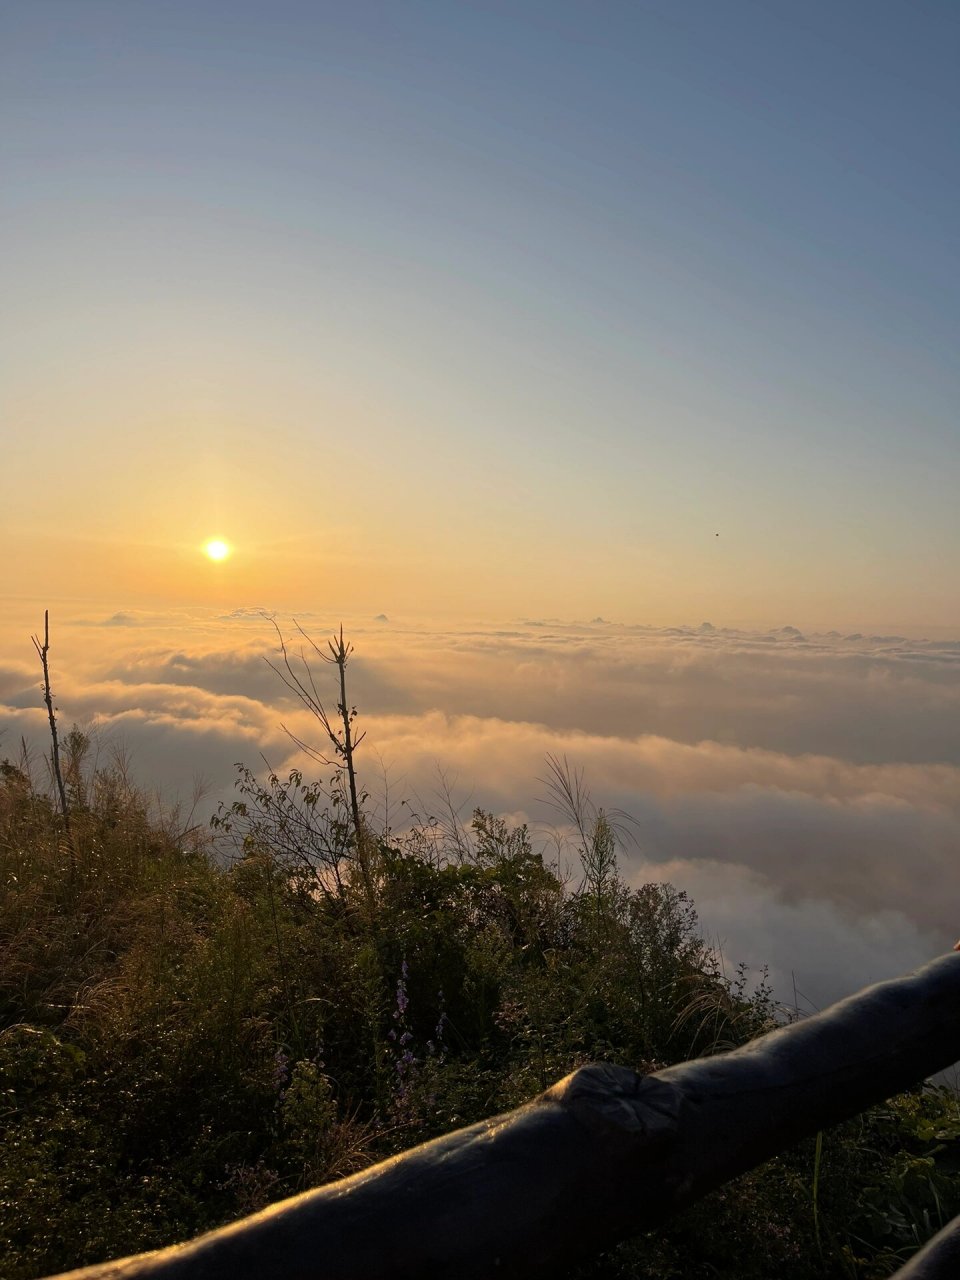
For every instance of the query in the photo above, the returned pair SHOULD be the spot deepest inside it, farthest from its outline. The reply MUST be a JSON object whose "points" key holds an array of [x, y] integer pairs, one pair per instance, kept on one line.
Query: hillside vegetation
{"points": [[195, 1023]]}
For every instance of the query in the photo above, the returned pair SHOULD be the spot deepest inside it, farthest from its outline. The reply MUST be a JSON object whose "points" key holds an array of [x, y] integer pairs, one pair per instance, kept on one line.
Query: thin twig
{"points": [[43, 650]]}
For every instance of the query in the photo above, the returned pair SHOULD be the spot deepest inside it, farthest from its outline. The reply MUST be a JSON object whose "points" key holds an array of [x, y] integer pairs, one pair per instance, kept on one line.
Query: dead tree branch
{"points": [[43, 650], [304, 688]]}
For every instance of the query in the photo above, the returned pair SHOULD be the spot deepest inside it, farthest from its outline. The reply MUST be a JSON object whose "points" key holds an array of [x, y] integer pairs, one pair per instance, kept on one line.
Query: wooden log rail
{"points": [[602, 1155]]}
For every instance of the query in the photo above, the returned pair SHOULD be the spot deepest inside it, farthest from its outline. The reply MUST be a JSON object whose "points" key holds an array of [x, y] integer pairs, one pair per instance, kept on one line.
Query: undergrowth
{"points": [[186, 1037]]}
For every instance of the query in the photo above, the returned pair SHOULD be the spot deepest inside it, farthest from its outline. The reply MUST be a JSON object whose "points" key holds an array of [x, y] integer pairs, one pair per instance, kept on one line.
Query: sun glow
{"points": [[217, 549]]}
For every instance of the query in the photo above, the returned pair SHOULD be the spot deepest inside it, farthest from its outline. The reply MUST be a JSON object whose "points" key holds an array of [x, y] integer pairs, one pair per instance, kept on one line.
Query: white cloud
{"points": [[815, 951], [804, 789]]}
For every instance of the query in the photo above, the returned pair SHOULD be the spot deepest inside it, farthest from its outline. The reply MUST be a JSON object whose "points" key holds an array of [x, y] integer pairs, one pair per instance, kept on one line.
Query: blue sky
{"points": [[541, 294]]}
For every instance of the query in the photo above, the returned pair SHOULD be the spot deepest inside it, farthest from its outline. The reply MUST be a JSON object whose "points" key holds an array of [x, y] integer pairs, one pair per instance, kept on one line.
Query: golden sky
{"points": [[477, 313]]}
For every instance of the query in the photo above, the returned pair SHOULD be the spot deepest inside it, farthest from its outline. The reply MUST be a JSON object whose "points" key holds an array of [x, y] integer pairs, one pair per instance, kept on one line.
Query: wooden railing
{"points": [[602, 1155]]}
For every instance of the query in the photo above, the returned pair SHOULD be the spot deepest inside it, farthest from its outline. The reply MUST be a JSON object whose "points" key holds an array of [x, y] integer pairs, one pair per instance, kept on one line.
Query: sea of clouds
{"points": [[804, 789]]}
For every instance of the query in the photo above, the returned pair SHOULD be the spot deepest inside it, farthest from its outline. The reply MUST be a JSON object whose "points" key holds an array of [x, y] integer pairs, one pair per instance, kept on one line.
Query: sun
{"points": [[217, 549]]}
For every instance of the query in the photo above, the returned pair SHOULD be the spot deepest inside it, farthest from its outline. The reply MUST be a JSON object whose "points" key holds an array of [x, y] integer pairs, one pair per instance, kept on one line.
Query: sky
{"points": [[605, 350], [484, 308]]}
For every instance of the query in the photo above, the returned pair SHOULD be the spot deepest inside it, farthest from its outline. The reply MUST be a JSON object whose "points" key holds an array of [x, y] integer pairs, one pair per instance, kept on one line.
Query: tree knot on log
{"points": [[619, 1106]]}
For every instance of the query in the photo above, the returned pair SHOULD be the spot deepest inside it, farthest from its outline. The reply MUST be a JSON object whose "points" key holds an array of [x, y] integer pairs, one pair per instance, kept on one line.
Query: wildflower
{"points": [[281, 1071], [402, 997]]}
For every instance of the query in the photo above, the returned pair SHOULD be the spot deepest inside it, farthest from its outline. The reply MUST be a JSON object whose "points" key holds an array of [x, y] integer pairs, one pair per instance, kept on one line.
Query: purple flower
{"points": [[281, 1074], [402, 998]]}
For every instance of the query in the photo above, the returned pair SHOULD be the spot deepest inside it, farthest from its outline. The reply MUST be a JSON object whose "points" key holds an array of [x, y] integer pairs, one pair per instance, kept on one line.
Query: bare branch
{"points": [[43, 652]]}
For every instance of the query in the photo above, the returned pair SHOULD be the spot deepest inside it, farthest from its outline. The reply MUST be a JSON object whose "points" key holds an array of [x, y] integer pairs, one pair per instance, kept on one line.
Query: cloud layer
{"points": [[804, 789]]}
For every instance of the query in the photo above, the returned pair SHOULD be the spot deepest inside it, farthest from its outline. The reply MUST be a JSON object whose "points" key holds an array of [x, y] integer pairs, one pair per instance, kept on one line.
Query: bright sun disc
{"points": [[217, 549]]}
